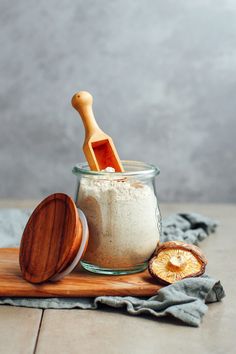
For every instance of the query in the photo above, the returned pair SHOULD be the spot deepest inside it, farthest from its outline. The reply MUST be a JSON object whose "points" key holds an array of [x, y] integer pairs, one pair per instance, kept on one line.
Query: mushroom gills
{"points": [[175, 261]]}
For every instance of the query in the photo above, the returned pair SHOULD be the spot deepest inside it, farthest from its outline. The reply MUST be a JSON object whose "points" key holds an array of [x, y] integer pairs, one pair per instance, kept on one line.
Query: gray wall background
{"points": [[163, 77]]}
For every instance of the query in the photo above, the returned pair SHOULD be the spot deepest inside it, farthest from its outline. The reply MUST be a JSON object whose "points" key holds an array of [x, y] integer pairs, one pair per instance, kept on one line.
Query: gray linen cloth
{"points": [[185, 300]]}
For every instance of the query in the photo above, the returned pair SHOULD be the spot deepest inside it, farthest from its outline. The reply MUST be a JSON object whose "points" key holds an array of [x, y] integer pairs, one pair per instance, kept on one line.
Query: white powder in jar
{"points": [[123, 221]]}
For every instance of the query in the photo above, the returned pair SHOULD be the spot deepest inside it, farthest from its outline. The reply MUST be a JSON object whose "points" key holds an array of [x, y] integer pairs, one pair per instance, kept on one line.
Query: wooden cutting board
{"points": [[79, 283]]}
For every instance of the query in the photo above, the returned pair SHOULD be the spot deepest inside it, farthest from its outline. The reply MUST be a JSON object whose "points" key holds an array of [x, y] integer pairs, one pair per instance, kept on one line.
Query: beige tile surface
{"points": [[108, 332], [18, 329], [12, 203], [105, 332]]}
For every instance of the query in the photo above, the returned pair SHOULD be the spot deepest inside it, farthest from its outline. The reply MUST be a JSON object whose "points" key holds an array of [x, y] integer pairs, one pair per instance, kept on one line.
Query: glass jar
{"points": [[123, 217]]}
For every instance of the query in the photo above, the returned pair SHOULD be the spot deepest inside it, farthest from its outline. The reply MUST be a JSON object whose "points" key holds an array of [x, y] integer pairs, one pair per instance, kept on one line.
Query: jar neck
{"points": [[133, 169]]}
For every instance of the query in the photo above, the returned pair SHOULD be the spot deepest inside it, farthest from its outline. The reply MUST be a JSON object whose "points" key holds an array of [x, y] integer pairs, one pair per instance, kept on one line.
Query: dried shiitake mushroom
{"points": [[176, 260]]}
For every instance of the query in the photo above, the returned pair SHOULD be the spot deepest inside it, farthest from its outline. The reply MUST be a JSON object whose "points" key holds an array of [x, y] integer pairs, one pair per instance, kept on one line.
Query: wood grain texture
{"points": [[51, 238], [79, 283], [99, 149]]}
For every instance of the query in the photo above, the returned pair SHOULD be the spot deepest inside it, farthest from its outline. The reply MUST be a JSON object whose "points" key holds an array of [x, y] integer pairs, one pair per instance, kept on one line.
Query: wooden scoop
{"points": [[98, 147]]}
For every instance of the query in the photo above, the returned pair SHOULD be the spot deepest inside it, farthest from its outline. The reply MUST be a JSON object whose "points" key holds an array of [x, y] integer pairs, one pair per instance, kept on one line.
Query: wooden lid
{"points": [[51, 238]]}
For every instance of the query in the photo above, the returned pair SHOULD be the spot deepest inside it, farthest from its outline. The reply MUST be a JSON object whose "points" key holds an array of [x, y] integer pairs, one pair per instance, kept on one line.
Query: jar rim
{"points": [[140, 168]]}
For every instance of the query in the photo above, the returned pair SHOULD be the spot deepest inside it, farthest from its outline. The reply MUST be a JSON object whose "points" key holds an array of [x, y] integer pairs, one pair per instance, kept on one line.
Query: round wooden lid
{"points": [[51, 238]]}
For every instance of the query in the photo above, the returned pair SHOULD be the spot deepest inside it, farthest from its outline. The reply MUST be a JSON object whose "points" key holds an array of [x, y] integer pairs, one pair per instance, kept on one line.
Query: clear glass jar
{"points": [[123, 217]]}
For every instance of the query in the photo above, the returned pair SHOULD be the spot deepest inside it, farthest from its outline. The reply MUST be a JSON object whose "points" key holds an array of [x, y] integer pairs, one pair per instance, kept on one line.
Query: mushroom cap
{"points": [[176, 260]]}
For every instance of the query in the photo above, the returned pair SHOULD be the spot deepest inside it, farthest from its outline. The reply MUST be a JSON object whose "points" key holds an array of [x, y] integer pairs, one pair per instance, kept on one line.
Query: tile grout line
{"points": [[39, 329]]}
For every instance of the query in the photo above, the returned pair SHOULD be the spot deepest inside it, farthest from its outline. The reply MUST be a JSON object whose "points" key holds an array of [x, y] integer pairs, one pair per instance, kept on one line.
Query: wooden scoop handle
{"points": [[82, 101]]}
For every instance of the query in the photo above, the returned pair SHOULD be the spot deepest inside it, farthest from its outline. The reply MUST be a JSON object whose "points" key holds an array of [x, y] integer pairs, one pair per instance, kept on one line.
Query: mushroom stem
{"points": [[177, 263]]}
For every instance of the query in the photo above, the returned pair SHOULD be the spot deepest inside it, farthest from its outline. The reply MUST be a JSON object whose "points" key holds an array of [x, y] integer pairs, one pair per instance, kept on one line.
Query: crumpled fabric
{"points": [[186, 300], [188, 227]]}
